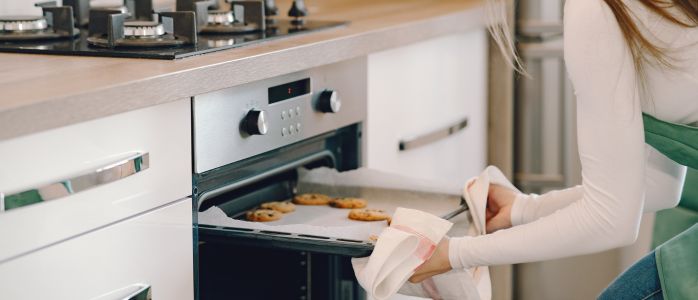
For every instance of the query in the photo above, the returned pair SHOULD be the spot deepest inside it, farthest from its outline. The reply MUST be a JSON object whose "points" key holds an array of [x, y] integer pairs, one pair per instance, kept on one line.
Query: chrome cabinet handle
{"points": [[118, 170], [136, 291], [436, 135]]}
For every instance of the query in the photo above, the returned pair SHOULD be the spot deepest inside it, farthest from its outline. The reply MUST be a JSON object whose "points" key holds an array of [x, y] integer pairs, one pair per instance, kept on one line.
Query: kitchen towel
{"points": [[475, 194], [471, 283], [409, 241]]}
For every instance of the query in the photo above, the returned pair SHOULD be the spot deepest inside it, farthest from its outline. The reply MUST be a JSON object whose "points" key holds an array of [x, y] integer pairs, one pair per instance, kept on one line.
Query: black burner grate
{"points": [[205, 43]]}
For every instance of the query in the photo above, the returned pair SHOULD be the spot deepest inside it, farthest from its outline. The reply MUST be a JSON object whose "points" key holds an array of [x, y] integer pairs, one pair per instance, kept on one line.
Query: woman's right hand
{"points": [[499, 202]]}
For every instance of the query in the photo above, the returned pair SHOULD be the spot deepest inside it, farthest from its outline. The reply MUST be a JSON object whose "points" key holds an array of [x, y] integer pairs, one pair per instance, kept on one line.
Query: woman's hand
{"points": [[438, 263], [499, 203]]}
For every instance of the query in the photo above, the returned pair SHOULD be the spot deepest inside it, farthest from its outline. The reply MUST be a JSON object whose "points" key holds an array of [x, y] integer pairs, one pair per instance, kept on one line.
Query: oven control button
{"points": [[329, 102], [255, 123]]}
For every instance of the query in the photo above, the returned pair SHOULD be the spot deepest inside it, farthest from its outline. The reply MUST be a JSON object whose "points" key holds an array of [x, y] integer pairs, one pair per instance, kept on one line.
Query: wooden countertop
{"points": [[41, 92]]}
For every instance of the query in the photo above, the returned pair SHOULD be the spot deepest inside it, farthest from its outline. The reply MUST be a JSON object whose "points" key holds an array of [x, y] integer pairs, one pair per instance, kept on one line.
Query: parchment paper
{"points": [[381, 190]]}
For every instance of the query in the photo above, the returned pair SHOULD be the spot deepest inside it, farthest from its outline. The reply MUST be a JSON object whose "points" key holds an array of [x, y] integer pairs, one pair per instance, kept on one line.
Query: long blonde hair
{"points": [[642, 49], [501, 32]]}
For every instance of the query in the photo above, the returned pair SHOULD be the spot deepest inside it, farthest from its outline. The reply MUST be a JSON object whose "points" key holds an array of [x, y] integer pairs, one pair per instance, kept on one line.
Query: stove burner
{"points": [[109, 29], [22, 23], [143, 29], [31, 28], [244, 16]]}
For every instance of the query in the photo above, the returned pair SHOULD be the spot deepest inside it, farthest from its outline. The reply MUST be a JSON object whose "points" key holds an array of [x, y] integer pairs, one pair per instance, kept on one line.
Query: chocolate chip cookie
{"points": [[280, 206], [311, 199], [348, 203], [263, 215], [365, 214]]}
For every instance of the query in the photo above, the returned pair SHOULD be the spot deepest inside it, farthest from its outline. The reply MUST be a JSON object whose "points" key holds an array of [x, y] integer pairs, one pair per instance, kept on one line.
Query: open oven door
{"points": [[307, 253]]}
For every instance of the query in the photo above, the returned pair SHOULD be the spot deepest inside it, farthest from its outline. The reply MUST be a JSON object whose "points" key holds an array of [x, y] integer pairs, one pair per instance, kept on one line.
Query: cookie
{"points": [[311, 199], [280, 206], [348, 203], [365, 214], [263, 215]]}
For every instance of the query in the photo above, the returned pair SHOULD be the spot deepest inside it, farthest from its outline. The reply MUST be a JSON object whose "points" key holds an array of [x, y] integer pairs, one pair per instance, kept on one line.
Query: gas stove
{"points": [[135, 30]]}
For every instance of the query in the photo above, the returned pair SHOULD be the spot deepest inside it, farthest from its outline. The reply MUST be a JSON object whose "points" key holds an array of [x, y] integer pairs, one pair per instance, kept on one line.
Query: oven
{"points": [[255, 143]]}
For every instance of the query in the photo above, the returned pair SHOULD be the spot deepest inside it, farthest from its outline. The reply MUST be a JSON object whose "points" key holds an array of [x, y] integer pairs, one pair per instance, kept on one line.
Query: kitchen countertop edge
{"points": [[70, 108]]}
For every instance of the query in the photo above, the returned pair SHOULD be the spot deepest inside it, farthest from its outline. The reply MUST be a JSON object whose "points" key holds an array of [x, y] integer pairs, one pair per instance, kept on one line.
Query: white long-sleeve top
{"points": [[621, 176]]}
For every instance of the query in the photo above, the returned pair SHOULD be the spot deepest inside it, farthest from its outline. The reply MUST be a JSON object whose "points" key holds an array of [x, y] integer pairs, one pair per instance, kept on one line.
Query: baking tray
{"points": [[326, 229]]}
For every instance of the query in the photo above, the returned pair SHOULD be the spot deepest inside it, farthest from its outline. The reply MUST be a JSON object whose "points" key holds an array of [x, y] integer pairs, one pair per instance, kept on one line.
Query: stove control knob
{"points": [[329, 102], [255, 123], [298, 9]]}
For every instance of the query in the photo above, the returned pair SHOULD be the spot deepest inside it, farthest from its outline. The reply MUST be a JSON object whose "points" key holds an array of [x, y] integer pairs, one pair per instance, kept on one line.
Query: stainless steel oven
{"points": [[250, 143]]}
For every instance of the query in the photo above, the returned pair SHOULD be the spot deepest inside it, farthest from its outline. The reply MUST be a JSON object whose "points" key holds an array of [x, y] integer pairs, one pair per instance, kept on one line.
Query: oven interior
{"points": [[247, 264]]}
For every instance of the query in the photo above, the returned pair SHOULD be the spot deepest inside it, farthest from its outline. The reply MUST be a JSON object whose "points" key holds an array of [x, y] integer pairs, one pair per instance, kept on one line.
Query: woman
{"points": [[624, 58]]}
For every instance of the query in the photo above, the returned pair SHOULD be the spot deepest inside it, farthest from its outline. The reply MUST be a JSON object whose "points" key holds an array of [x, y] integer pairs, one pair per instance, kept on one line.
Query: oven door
{"points": [[306, 254]]}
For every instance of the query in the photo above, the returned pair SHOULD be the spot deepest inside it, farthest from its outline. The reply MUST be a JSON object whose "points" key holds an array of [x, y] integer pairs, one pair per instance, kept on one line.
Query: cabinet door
{"points": [[427, 90], [40, 164], [153, 250]]}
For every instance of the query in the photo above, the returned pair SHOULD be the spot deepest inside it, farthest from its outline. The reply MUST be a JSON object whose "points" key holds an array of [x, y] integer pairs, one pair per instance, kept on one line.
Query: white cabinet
{"points": [[152, 249], [163, 131], [425, 88]]}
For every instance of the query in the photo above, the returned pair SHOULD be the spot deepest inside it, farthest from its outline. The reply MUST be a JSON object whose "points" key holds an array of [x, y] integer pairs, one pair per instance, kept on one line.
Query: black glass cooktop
{"points": [[206, 43]]}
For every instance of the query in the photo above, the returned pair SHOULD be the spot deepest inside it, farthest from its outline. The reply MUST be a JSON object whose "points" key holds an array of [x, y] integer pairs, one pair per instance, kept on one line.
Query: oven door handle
{"points": [[431, 137], [134, 163]]}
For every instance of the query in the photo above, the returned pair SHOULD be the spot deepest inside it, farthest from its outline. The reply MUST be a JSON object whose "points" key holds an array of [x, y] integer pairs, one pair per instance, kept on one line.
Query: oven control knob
{"points": [[329, 102], [255, 123]]}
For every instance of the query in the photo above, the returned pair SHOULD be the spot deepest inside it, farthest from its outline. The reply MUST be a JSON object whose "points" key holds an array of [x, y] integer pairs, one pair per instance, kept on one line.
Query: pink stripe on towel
{"points": [[425, 248]]}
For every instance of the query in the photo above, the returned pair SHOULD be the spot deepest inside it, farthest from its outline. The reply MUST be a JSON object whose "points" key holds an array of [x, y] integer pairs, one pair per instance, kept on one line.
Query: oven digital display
{"points": [[289, 90]]}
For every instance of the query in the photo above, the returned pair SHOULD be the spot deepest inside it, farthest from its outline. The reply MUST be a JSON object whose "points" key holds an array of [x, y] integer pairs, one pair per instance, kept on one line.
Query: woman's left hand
{"points": [[438, 263]]}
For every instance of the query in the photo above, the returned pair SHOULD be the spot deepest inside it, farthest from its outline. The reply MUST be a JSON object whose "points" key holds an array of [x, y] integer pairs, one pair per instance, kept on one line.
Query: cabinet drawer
{"points": [[153, 249], [419, 98], [47, 159]]}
